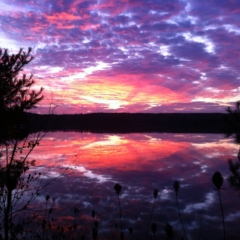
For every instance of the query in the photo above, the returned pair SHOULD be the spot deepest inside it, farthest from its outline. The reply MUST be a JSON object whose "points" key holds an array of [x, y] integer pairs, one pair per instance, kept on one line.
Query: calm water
{"points": [[141, 163]]}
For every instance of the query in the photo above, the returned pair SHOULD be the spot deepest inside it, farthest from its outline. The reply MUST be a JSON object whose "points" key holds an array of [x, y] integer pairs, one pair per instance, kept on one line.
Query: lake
{"points": [[140, 163]]}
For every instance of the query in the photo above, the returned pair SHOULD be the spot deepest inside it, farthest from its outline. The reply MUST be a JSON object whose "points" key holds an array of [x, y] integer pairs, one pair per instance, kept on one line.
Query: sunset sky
{"points": [[129, 55]]}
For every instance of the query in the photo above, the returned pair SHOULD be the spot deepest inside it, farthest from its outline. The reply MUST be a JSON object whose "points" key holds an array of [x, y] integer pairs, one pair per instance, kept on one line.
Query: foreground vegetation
{"points": [[43, 222]]}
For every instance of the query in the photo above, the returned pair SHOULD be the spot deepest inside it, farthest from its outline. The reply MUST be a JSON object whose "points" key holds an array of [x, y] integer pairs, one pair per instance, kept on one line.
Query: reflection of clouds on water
{"points": [[165, 194], [209, 200], [141, 163], [216, 149], [152, 138], [233, 216], [204, 168], [89, 173]]}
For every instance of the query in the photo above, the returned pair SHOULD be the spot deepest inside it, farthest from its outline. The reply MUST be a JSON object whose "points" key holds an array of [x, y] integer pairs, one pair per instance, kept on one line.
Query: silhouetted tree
{"points": [[233, 119], [234, 178], [16, 96], [234, 129], [15, 91]]}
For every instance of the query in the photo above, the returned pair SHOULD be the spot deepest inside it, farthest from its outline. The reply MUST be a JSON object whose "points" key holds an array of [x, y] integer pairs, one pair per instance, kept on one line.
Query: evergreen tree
{"points": [[16, 95]]}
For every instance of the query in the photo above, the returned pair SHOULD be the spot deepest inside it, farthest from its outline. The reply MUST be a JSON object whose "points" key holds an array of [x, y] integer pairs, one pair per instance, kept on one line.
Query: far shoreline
{"points": [[131, 122]]}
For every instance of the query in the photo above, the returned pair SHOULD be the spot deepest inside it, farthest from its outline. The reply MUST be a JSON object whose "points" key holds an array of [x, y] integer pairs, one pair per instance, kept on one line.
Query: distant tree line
{"points": [[132, 122]]}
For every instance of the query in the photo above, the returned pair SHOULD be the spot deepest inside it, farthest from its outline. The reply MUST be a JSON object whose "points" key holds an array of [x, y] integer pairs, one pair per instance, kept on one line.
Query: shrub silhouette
{"points": [[233, 120], [234, 178]]}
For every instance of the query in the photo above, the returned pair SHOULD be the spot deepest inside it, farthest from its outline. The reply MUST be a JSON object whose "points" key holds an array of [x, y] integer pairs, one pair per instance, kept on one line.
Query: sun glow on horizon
{"points": [[117, 95]]}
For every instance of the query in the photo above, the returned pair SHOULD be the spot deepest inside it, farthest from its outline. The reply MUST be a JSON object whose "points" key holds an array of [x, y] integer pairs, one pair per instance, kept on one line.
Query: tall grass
{"points": [[218, 180]]}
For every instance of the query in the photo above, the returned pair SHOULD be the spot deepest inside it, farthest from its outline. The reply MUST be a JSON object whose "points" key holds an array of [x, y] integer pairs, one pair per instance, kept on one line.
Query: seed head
{"points": [[155, 193], [118, 188], [176, 186], [217, 180]]}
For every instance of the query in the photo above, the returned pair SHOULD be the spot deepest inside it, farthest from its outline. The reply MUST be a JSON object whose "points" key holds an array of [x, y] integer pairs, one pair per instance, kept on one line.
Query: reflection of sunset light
{"points": [[141, 163], [110, 140], [108, 151], [127, 151]]}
